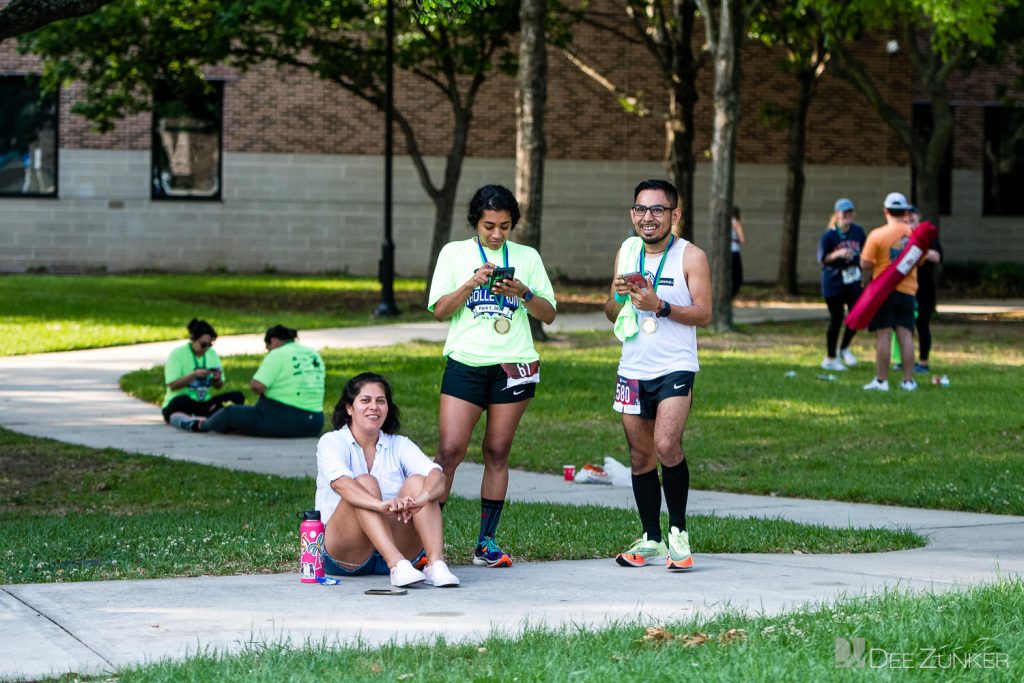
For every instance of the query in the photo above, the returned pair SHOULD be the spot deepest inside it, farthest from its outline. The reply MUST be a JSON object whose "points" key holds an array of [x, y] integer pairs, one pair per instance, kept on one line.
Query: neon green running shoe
{"points": [[679, 558], [643, 552]]}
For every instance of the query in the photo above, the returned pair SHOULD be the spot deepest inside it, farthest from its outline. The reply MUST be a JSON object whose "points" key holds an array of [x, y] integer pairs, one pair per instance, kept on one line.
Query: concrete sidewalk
{"points": [[49, 629]]}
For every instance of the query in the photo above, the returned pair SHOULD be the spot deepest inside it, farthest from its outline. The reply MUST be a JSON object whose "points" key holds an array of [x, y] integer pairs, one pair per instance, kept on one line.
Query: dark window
{"points": [[923, 129], [187, 133], [1004, 162], [28, 139]]}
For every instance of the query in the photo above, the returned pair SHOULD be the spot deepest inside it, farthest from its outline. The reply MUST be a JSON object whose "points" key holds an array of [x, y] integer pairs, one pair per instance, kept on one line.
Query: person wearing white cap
{"points": [[883, 245], [839, 255]]}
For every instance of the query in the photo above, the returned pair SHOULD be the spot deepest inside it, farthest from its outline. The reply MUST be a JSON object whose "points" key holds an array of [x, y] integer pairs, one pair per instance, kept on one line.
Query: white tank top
{"points": [[673, 346]]}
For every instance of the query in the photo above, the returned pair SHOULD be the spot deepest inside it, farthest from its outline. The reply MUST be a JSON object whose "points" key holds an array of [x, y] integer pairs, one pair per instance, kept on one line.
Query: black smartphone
{"points": [[386, 591], [499, 274]]}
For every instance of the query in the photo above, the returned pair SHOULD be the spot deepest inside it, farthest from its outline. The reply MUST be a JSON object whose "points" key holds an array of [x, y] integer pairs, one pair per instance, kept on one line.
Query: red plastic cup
{"points": [[569, 471]]}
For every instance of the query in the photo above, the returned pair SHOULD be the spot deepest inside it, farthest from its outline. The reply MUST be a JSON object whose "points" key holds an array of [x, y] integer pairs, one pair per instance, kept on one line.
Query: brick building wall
{"points": [[303, 172]]}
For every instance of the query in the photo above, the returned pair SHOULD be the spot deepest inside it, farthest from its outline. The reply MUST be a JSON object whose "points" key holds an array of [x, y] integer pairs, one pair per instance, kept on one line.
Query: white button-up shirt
{"points": [[338, 455]]}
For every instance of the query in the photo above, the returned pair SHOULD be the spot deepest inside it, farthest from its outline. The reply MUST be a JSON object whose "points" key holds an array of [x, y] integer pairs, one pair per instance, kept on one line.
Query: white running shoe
{"points": [[404, 574], [833, 364], [908, 385], [848, 358], [439, 575], [877, 385]]}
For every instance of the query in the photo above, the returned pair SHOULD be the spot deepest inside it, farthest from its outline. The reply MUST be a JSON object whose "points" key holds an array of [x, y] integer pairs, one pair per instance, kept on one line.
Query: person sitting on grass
{"points": [[290, 384], [190, 372], [371, 483]]}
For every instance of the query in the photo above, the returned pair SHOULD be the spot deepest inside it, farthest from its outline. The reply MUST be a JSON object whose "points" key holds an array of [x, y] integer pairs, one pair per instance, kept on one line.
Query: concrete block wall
{"points": [[322, 213]]}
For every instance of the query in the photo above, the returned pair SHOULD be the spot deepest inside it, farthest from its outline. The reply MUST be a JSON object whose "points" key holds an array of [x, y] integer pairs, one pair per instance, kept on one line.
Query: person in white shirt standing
{"points": [[378, 493], [660, 294]]}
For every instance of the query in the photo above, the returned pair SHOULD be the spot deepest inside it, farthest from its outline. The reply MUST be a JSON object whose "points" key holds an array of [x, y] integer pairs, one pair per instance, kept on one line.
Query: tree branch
{"points": [[23, 16]]}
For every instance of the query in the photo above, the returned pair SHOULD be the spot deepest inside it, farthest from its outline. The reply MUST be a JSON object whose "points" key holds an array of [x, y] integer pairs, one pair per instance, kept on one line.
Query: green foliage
{"points": [[978, 279], [122, 51]]}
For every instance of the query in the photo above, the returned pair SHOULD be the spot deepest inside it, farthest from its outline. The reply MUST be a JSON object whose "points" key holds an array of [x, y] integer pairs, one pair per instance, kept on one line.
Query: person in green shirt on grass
{"points": [[290, 384], [191, 371]]}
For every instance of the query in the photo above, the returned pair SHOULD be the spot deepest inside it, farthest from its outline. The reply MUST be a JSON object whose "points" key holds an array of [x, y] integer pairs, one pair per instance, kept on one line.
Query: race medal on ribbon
{"points": [[649, 325], [502, 326]]}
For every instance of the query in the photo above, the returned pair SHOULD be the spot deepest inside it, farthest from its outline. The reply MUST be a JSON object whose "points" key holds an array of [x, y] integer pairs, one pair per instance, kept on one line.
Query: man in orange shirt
{"points": [[882, 247]]}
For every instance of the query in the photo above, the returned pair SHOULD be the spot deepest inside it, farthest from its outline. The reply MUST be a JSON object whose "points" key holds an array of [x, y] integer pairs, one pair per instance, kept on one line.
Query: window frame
{"points": [[155, 145], [55, 97], [987, 207]]}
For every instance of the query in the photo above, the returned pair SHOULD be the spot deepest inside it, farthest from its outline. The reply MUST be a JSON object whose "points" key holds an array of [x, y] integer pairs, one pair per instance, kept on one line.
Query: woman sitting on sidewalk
{"points": [[290, 384], [190, 371], [370, 483]]}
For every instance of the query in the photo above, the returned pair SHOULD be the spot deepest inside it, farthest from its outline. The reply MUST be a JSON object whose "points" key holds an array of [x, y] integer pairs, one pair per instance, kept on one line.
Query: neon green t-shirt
{"points": [[294, 376], [472, 338], [182, 362]]}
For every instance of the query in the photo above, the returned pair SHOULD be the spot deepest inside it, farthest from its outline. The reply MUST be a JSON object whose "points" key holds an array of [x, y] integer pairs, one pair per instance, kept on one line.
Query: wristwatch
{"points": [[665, 310], [526, 297]]}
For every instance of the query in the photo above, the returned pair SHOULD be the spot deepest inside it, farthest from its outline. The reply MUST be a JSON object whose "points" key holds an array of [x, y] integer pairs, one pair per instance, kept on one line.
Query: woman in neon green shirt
{"points": [[290, 384], [492, 364], [190, 372]]}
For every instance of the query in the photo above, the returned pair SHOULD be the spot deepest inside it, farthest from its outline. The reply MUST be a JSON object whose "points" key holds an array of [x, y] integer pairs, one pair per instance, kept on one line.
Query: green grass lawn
{"points": [[972, 635], [40, 313], [752, 429], [70, 513]]}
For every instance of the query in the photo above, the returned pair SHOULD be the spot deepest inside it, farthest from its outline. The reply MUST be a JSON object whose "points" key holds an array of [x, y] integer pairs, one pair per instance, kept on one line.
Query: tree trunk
{"points": [[531, 145], [444, 197], [682, 162], [795, 182], [725, 52]]}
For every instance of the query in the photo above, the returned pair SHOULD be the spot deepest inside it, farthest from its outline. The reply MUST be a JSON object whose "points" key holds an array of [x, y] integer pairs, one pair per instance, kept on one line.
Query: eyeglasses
{"points": [[897, 213], [205, 344], [848, 211], [639, 210]]}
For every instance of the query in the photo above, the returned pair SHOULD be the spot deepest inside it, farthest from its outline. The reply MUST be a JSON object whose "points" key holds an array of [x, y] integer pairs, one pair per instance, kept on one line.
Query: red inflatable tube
{"points": [[875, 294]]}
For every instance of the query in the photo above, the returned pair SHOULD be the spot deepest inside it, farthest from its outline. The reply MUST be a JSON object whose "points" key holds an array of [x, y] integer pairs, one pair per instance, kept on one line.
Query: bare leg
{"points": [[426, 523], [640, 438], [353, 533], [883, 348], [456, 421], [502, 422], [906, 339]]}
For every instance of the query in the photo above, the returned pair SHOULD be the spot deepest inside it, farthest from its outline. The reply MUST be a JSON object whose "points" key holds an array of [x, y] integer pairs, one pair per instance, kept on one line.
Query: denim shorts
{"points": [[373, 566]]}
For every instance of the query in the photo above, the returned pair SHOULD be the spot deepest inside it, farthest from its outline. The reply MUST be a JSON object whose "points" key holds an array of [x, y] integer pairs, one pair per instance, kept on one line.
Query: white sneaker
{"points": [[439, 575], [877, 385], [848, 358], [908, 385], [403, 574], [833, 364]]}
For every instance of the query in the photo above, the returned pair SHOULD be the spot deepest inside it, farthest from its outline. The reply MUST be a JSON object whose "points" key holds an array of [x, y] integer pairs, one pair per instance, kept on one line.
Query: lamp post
{"points": [[386, 267]]}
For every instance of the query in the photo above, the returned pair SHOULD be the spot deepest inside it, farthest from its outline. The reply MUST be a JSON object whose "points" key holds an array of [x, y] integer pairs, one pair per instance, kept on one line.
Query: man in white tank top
{"points": [[660, 294]]}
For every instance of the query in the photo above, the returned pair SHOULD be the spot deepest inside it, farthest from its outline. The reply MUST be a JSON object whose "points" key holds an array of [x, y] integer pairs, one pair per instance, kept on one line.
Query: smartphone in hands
{"points": [[637, 278], [499, 274]]}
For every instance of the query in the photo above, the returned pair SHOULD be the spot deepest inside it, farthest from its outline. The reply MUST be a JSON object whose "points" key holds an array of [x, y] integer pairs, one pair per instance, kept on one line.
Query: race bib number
{"points": [[627, 396], [851, 275], [521, 373]]}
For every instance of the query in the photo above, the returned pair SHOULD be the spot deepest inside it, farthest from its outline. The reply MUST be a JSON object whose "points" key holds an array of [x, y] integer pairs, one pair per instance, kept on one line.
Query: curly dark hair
{"points": [[197, 328], [341, 418], [492, 198], [281, 332]]}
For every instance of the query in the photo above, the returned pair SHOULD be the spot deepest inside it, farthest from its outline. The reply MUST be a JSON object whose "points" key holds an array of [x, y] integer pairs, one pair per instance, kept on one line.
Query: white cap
{"points": [[896, 200]]}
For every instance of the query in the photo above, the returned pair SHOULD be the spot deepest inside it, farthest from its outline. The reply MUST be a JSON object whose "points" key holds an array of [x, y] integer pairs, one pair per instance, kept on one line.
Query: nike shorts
{"points": [[484, 385], [654, 391]]}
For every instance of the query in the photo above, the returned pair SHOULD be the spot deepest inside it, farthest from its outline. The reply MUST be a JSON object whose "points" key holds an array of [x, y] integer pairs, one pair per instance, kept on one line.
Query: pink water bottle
{"points": [[311, 535]]}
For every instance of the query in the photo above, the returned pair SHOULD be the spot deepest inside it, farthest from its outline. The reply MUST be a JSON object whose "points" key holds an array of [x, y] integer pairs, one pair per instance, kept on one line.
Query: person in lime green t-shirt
{"points": [[290, 384], [191, 371], [491, 364]]}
